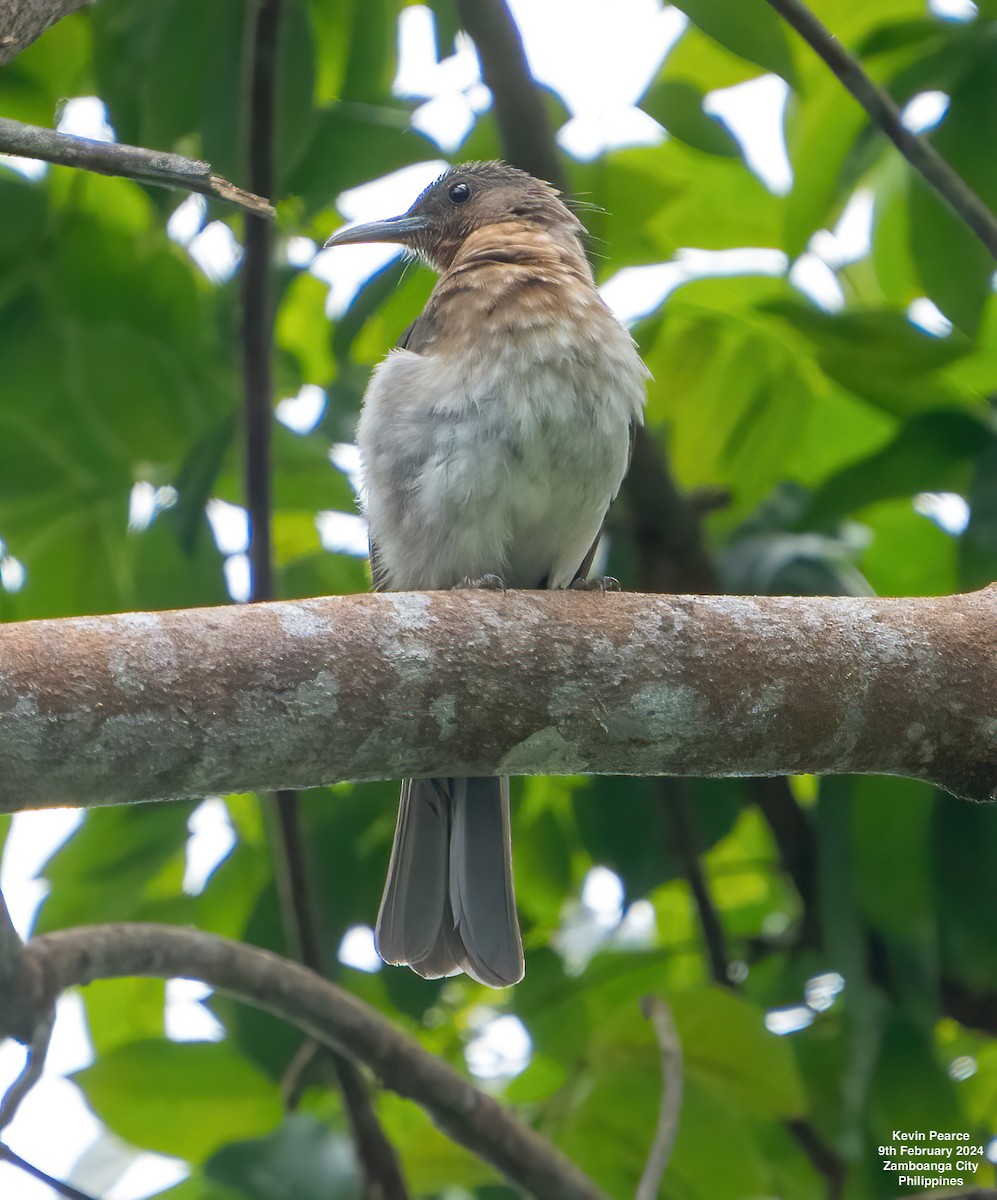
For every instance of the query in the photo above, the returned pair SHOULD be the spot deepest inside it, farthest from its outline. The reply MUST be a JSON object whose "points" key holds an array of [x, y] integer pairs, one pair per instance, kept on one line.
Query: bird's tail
{"points": [[449, 904]]}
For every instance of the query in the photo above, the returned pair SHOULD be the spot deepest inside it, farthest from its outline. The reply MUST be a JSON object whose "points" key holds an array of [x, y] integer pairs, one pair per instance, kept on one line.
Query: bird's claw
{"points": [[604, 583], [492, 583]]}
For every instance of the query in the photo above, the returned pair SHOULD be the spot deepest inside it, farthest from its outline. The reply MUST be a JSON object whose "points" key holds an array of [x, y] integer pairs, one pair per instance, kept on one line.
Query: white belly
{"points": [[498, 464]]}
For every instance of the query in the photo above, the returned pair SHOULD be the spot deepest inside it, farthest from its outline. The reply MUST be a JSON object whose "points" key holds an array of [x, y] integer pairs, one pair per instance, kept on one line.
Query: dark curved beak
{"points": [[394, 229]]}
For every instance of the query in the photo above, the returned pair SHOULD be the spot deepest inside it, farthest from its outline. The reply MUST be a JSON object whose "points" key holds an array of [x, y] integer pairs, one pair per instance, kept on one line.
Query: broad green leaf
{"points": [[978, 548], [735, 402], [658, 200], [705, 62], [908, 554], [964, 838], [233, 889], [303, 329], [25, 209], [749, 28], [120, 860], [727, 1047], [295, 114], [842, 429], [678, 106], [301, 1160], [891, 839], [932, 452], [36, 82], [354, 144], [953, 265], [432, 1162], [124, 1010], [891, 244], [909, 1085], [745, 877], [882, 357], [181, 1098]]}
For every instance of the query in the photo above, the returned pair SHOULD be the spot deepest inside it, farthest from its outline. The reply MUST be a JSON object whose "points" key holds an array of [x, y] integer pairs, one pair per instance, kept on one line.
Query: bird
{"points": [[492, 440]]}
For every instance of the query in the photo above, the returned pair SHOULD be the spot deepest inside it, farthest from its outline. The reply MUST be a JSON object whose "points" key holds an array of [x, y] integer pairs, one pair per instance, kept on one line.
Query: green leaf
{"points": [[706, 63], [35, 83], [120, 860], [301, 1160], [678, 105], [882, 357], [124, 1010], [353, 144], [932, 452], [910, 1088], [953, 265], [433, 1162], [908, 555], [25, 210], [978, 548], [891, 839], [181, 1098], [749, 28], [735, 401], [964, 838], [726, 1046], [303, 329], [821, 130], [658, 200]]}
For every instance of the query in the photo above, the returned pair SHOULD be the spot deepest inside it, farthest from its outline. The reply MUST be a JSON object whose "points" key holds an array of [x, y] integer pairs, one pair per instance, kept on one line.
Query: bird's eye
{"points": [[460, 193]]}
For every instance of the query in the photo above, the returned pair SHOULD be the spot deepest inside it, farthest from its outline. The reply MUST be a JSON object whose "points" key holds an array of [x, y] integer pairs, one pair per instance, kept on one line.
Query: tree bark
{"points": [[22, 21], [76, 957], [140, 706]]}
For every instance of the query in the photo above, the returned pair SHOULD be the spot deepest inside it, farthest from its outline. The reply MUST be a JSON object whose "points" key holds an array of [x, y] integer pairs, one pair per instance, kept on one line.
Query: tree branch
{"points": [[257, 300], [131, 162], [659, 1014], [921, 155], [76, 957], [57, 1185], [682, 836], [99, 710], [524, 126], [382, 1177], [26, 20]]}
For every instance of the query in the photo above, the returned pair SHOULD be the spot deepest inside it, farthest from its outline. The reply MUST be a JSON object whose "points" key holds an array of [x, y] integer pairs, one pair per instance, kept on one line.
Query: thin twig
{"points": [[31, 1072], [24, 993], [257, 299], [684, 841], [131, 162], [659, 1014], [75, 957], [57, 1185], [382, 1174], [921, 155]]}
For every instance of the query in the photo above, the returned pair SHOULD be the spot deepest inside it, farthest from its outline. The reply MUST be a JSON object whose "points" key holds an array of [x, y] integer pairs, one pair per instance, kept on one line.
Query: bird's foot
{"points": [[491, 583], [604, 583]]}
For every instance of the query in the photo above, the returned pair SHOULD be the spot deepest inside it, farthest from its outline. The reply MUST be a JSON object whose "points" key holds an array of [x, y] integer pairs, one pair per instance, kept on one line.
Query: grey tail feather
{"points": [[448, 902]]}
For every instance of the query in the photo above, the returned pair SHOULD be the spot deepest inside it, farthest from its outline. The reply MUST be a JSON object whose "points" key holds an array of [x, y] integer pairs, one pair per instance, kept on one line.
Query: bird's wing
{"points": [[586, 566], [416, 339], [419, 335]]}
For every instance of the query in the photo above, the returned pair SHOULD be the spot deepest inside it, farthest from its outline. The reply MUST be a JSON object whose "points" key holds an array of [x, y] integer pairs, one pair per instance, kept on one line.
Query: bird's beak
{"points": [[394, 229]]}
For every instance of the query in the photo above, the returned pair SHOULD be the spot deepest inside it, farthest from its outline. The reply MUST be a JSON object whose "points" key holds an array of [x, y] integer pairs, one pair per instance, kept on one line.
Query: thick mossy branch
{"points": [[140, 706]]}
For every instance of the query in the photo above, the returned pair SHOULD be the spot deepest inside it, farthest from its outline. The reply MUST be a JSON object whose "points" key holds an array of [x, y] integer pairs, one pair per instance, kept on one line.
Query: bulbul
{"points": [[493, 440]]}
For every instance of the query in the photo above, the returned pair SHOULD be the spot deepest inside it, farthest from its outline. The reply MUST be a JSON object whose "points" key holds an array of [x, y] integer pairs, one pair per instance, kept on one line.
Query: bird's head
{"points": [[465, 198]]}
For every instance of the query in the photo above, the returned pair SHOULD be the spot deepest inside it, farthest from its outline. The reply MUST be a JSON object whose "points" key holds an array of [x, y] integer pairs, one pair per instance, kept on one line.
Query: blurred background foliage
{"points": [[828, 947]]}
